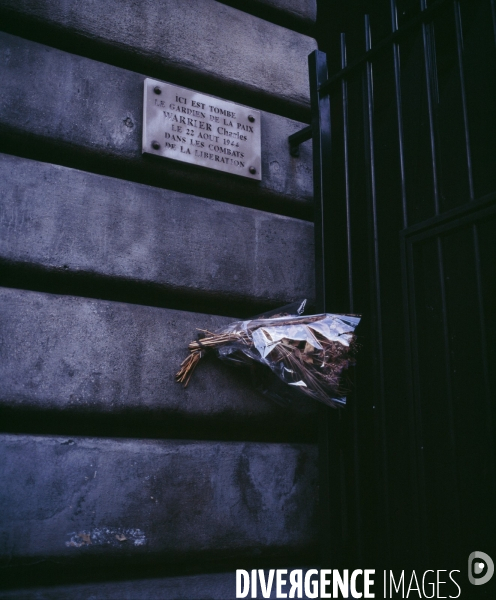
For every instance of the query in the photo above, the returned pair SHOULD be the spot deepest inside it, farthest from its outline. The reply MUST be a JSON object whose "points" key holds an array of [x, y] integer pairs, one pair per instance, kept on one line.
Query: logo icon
{"points": [[477, 562]]}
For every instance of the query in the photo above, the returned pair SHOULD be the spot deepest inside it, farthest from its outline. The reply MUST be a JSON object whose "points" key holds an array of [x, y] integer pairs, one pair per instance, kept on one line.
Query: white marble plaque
{"points": [[185, 125]]}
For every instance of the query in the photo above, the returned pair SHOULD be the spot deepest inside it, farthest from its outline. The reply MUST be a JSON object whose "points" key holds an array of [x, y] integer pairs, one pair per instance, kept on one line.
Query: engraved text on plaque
{"points": [[185, 125]]}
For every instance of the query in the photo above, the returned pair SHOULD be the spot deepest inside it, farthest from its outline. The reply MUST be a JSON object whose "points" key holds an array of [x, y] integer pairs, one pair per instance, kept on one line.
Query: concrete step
{"points": [[92, 359], [98, 501], [74, 222]]}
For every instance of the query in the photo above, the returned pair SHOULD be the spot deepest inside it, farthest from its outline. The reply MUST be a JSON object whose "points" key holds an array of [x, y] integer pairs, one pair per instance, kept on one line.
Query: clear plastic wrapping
{"points": [[309, 354]]}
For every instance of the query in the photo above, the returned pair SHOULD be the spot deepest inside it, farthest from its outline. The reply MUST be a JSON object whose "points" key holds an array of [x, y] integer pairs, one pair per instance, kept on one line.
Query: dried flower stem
{"points": [[188, 366], [316, 371]]}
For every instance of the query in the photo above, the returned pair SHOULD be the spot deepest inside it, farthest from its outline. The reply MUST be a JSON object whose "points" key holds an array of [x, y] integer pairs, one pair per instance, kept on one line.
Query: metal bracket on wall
{"points": [[298, 138]]}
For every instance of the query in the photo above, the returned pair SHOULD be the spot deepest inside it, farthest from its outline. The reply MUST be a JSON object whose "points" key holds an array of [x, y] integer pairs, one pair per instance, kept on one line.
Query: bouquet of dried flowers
{"points": [[308, 353]]}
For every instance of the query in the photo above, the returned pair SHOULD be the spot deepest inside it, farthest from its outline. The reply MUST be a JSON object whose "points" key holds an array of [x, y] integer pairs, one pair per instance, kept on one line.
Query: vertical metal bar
{"points": [[431, 88], [331, 467], [484, 353], [493, 12], [448, 370], [459, 45], [413, 387], [321, 147], [376, 285], [399, 111], [344, 91], [357, 525], [417, 476]]}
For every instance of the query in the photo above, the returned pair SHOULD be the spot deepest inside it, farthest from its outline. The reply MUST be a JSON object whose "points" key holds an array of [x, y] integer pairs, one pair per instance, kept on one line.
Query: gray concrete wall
{"points": [[167, 498], [303, 9], [115, 480], [64, 219], [208, 40], [91, 356], [298, 15], [97, 112]]}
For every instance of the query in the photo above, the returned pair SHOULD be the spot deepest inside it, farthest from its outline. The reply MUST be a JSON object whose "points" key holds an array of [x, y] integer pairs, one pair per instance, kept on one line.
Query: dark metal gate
{"points": [[404, 142]]}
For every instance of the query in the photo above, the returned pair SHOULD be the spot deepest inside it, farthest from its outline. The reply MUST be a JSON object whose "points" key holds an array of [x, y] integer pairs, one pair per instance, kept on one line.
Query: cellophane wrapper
{"points": [[308, 354]]}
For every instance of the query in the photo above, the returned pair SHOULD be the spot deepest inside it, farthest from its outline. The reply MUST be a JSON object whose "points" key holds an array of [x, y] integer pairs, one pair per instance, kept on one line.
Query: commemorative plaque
{"points": [[185, 125]]}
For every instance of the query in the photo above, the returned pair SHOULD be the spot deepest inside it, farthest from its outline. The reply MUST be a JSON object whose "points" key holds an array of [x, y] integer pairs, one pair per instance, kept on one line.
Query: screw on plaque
{"points": [[252, 170], [155, 145], [251, 118], [157, 90]]}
